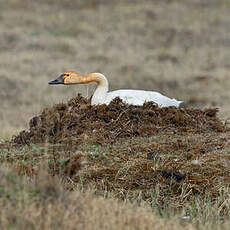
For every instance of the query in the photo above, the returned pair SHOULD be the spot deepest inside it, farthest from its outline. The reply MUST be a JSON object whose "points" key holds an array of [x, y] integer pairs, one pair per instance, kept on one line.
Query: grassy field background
{"points": [[179, 48]]}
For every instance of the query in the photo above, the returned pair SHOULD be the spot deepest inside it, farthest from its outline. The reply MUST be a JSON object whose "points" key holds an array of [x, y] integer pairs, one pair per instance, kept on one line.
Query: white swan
{"points": [[102, 96]]}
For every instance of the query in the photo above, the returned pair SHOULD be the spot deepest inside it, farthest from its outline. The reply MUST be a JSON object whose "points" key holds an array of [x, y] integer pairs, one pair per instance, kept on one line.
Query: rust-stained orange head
{"points": [[69, 78], [72, 78]]}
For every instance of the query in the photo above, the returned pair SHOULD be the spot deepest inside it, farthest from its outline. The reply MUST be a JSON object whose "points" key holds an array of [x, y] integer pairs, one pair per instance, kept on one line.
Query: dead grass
{"points": [[43, 204]]}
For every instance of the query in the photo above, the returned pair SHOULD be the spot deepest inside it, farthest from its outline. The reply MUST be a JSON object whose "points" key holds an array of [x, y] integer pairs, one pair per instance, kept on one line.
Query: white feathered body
{"points": [[137, 97]]}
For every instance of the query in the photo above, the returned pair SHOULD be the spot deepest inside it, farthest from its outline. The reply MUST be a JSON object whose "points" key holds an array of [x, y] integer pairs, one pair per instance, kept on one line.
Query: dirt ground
{"points": [[179, 48]]}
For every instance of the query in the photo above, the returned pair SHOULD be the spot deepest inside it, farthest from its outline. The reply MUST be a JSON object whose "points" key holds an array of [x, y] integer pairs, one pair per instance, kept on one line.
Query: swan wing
{"points": [[139, 97]]}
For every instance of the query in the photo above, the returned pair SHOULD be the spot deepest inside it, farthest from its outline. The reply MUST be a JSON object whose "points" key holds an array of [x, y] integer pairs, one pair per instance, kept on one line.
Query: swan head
{"points": [[68, 78]]}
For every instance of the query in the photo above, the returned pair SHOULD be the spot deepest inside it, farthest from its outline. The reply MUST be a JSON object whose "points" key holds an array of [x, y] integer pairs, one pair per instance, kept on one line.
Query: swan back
{"points": [[139, 97]]}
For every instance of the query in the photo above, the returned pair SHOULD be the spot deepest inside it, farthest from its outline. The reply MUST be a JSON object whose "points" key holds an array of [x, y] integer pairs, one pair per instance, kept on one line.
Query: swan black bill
{"points": [[59, 80]]}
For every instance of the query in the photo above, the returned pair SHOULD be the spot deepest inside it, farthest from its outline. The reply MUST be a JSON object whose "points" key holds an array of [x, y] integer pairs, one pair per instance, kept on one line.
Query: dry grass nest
{"points": [[78, 121]]}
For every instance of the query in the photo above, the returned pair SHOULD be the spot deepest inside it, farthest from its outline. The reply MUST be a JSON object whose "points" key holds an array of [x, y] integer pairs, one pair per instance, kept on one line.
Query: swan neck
{"points": [[99, 96]]}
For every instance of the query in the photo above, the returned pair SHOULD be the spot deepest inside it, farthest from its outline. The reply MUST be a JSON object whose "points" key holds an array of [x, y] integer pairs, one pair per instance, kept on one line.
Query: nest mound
{"points": [[77, 121]]}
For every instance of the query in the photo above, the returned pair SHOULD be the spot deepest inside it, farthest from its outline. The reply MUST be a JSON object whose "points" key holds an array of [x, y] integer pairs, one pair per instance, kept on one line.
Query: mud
{"points": [[78, 122]]}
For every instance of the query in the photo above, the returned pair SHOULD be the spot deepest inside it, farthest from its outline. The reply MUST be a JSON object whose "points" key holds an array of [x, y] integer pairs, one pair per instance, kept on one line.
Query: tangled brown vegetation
{"points": [[168, 155], [77, 121]]}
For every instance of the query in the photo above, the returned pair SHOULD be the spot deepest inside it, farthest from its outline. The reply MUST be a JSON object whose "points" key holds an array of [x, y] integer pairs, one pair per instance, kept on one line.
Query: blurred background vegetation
{"points": [[179, 48]]}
